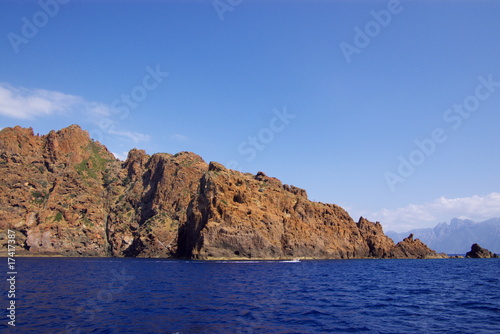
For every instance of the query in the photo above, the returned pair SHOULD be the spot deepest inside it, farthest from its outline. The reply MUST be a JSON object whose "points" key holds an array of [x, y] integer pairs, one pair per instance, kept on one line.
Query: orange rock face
{"points": [[65, 194], [52, 190]]}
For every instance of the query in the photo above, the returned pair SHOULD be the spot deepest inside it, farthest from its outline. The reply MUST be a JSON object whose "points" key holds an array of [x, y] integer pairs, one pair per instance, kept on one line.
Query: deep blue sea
{"points": [[110, 295]]}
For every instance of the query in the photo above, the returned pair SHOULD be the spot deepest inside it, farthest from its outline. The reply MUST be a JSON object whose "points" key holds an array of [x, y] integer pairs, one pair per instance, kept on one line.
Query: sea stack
{"points": [[477, 252]]}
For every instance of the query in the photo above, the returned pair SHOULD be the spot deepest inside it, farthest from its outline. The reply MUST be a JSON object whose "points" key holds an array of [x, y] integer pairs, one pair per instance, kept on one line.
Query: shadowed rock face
{"points": [[242, 215], [477, 252], [66, 194]]}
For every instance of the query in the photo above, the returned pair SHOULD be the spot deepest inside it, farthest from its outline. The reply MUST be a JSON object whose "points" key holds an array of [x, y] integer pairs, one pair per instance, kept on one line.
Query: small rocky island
{"points": [[477, 252], [64, 194]]}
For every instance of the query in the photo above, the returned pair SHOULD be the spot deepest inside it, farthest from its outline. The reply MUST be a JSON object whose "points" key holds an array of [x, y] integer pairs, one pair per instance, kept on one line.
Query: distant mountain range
{"points": [[456, 236]]}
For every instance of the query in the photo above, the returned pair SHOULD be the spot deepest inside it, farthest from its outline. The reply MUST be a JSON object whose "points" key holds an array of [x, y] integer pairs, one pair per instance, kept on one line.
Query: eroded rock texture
{"points": [[65, 194]]}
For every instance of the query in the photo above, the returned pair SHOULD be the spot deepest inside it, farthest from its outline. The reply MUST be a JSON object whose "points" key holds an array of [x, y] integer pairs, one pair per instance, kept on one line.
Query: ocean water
{"points": [[109, 295]]}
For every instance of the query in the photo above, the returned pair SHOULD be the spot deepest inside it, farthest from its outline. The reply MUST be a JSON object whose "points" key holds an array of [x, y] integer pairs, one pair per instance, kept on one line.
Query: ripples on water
{"points": [[61, 295]]}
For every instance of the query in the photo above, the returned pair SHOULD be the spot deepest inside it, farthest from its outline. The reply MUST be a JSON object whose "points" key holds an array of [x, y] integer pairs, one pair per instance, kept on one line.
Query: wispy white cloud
{"points": [[122, 156], [179, 137], [136, 137], [96, 109], [443, 209], [30, 104], [24, 103]]}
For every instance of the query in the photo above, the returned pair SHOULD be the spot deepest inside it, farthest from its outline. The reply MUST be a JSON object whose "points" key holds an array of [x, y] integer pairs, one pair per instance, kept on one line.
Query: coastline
{"points": [[3, 254]]}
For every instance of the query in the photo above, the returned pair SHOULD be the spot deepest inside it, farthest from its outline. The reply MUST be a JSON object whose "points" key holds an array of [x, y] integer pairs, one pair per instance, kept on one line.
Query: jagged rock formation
{"points": [[414, 249], [53, 190], [152, 204], [477, 252], [65, 194]]}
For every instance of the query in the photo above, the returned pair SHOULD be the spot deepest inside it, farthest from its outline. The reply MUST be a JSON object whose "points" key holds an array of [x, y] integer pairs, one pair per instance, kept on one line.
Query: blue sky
{"points": [[330, 96]]}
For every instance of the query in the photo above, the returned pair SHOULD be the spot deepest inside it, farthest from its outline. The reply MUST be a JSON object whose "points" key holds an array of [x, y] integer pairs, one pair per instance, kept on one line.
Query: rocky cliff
{"points": [[478, 252], [53, 191], [65, 194]]}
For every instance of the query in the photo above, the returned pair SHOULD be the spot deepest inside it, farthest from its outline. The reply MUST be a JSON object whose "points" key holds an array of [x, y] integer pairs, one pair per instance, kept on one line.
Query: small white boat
{"points": [[294, 260]]}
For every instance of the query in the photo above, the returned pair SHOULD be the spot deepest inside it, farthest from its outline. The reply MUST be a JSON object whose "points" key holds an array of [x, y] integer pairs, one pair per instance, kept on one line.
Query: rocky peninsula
{"points": [[64, 194]]}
